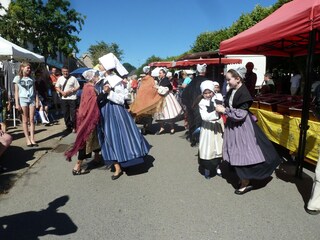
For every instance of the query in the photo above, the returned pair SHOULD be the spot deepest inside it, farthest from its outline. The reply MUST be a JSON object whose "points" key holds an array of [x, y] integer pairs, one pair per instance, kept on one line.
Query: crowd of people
{"points": [[227, 130], [111, 105]]}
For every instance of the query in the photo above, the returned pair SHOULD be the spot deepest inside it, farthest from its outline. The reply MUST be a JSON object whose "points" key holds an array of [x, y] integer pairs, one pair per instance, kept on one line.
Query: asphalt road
{"points": [[166, 198]]}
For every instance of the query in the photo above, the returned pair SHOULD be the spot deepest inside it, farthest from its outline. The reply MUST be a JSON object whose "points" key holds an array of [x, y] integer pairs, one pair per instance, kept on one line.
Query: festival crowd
{"points": [[111, 104]]}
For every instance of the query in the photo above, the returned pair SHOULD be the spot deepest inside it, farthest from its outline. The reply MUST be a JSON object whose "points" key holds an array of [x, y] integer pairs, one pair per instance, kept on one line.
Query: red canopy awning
{"points": [[193, 62], [283, 33], [161, 64], [208, 61]]}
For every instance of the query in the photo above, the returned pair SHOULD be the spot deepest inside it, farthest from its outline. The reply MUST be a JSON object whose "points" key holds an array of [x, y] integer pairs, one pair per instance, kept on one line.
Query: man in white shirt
{"points": [[67, 86]]}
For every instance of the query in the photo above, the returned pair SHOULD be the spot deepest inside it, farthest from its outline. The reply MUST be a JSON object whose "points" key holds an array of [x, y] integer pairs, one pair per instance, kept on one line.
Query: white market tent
{"points": [[11, 51]]}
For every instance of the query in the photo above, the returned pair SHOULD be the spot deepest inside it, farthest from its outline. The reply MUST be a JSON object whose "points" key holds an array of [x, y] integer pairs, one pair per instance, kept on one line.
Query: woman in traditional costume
{"points": [[87, 120], [210, 142], [147, 101], [121, 141], [171, 109], [245, 146]]}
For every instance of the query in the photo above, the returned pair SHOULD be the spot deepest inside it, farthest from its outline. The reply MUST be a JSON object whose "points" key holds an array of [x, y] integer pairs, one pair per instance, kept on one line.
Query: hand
{"points": [[220, 109], [18, 107]]}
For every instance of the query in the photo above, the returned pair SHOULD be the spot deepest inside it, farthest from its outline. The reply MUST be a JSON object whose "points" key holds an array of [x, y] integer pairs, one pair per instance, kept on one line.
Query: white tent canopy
{"points": [[9, 50]]}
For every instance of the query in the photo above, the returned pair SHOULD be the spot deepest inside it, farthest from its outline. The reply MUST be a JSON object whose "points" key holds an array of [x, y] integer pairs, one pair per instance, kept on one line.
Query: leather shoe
{"points": [[245, 190], [115, 177], [312, 212]]}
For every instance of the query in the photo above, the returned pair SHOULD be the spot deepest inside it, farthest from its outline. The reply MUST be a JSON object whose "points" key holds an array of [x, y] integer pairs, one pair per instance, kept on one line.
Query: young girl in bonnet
{"points": [[245, 146], [210, 142]]}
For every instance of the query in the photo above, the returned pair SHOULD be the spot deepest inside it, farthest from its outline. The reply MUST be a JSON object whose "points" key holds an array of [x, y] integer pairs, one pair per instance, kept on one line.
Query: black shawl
{"points": [[241, 97]]}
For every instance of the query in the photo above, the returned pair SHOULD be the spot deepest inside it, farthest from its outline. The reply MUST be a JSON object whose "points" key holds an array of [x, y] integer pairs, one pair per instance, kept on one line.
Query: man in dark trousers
{"points": [[67, 86]]}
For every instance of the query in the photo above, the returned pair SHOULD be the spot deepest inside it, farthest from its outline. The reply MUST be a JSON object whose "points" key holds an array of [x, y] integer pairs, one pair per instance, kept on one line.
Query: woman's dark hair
{"points": [[162, 71]]}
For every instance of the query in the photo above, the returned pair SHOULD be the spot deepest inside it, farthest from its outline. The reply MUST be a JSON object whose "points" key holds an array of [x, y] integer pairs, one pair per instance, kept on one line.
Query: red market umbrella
{"points": [[292, 30]]}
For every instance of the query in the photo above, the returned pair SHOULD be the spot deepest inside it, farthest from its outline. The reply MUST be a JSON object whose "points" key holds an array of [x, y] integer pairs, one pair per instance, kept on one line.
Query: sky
{"points": [[143, 28]]}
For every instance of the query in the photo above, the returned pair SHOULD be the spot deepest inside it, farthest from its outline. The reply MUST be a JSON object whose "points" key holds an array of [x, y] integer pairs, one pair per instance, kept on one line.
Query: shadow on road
{"points": [[13, 159], [141, 168], [31, 225], [286, 172]]}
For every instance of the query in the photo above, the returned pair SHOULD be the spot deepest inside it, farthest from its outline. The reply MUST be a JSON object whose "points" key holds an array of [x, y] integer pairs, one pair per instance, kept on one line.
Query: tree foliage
{"points": [[101, 48], [129, 67], [50, 27], [210, 41]]}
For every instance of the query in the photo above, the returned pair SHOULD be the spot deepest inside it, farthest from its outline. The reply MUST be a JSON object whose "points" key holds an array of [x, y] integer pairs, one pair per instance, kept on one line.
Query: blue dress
{"points": [[119, 137]]}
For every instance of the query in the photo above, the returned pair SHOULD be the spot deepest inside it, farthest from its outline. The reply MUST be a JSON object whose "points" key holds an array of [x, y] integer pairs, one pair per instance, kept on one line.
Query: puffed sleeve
{"points": [[118, 94], [205, 115], [238, 114]]}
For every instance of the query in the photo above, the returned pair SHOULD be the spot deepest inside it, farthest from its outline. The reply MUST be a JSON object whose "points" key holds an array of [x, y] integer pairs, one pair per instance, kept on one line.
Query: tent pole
{"points": [[306, 104]]}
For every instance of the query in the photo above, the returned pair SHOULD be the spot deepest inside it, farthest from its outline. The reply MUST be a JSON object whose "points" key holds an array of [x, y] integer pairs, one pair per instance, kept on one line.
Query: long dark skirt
{"points": [[210, 165], [266, 168], [120, 138]]}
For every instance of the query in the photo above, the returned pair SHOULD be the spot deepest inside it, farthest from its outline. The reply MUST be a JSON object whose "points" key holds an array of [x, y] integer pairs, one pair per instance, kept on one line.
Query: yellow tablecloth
{"points": [[284, 130]]}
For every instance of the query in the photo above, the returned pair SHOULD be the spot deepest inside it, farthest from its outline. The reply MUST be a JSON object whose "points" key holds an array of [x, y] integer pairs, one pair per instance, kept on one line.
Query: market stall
{"points": [[292, 30]]}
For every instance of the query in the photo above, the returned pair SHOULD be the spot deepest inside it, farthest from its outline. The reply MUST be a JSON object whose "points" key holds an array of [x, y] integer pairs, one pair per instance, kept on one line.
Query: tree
{"points": [[129, 67], [48, 27], [101, 48], [210, 41], [151, 59]]}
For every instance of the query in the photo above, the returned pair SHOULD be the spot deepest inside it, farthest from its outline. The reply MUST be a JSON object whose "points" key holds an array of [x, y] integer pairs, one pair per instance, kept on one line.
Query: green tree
{"points": [[151, 59], [49, 27], [210, 41], [101, 48], [129, 67]]}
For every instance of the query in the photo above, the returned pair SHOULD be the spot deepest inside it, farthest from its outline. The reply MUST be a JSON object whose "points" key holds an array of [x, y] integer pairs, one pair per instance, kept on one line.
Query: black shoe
{"points": [[246, 189], [80, 172], [312, 212], [115, 177]]}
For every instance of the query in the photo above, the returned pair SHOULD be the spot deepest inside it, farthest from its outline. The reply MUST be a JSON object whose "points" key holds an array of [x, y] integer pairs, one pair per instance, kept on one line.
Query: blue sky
{"points": [[163, 28]]}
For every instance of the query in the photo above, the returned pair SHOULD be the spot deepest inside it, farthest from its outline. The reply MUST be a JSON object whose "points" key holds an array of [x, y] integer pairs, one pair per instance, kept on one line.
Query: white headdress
{"points": [[207, 84], [110, 61], [89, 74], [216, 83], [146, 69], [169, 74], [241, 71], [201, 68]]}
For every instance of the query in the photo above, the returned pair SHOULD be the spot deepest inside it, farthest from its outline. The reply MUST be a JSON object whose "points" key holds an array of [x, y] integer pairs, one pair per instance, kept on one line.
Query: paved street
{"points": [[166, 198]]}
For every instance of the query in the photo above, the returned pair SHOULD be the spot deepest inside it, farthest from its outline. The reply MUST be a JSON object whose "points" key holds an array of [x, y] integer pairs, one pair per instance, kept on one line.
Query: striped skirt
{"points": [[171, 110], [120, 138]]}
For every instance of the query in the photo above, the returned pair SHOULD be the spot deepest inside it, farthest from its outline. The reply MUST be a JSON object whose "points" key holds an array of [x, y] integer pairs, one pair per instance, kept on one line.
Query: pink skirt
{"points": [[171, 110]]}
